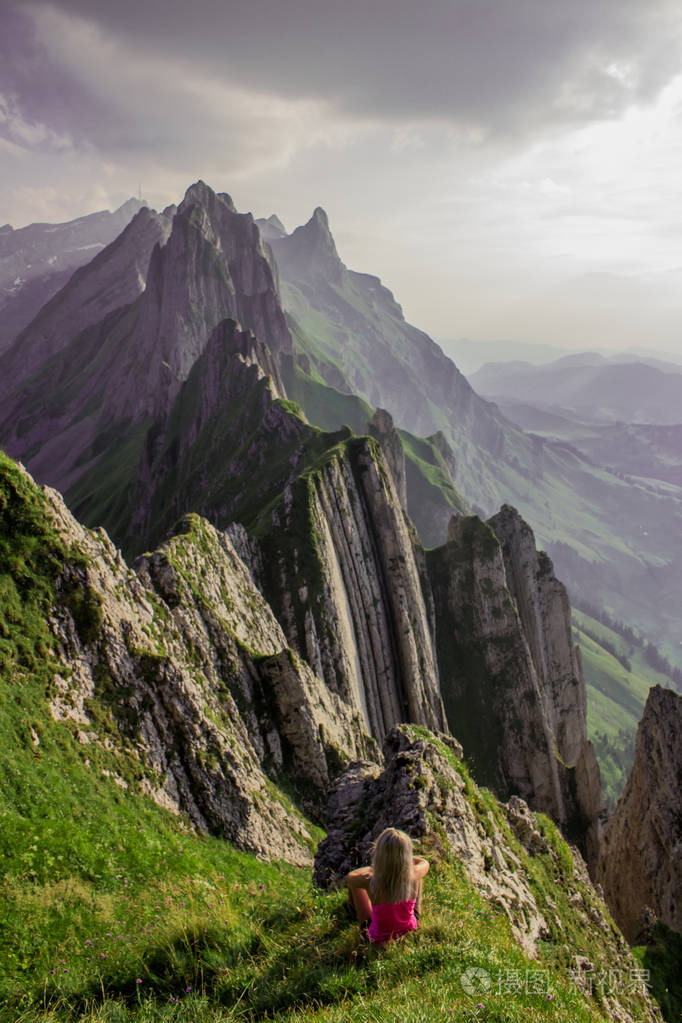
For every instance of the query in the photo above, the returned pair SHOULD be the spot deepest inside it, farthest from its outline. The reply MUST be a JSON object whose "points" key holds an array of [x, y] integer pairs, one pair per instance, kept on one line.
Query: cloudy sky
{"points": [[510, 168]]}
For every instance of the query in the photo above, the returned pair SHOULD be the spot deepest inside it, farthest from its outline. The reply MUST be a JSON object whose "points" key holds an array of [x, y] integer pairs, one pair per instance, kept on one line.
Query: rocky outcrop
{"points": [[382, 429], [505, 851], [545, 614], [640, 865], [512, 687], [182, 668], [420, 786]]}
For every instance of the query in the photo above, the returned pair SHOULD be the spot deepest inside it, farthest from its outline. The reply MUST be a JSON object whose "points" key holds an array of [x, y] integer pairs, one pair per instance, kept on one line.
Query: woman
{"points": [[388, 894]]}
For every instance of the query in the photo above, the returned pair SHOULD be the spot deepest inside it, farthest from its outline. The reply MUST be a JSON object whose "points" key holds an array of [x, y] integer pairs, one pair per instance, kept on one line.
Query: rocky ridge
{"points": [[158, 410], [114, 278], [181, 667], [640, 863]]}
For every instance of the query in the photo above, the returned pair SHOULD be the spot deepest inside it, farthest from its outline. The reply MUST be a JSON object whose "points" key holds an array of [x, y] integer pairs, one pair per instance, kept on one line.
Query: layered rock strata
{"points": [[344, 580], [640, 864], [512, 685], [182, 666]]}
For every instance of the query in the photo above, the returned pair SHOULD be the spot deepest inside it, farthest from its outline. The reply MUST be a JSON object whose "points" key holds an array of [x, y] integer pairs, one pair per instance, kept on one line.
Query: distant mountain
{"points": [[620, 543], [35, 261], [591, 387], [470, 355], [632, 449]]}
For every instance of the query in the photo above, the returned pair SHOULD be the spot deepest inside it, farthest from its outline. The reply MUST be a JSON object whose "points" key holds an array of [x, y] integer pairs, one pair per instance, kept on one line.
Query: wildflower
{"points": [[139, 980], [188, 988], [261, 886]]}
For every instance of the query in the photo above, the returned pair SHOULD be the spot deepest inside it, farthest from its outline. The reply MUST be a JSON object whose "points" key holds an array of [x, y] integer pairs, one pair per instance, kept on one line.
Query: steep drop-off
{"points": [[640, 864], [511, 681], [179, 670]]}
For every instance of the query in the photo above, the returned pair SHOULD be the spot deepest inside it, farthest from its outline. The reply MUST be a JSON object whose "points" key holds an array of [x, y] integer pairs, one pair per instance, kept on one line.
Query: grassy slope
{"points": [[112, 909], [615, 698]]}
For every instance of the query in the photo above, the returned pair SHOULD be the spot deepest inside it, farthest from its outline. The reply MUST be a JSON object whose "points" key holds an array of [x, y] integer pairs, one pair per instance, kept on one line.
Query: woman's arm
{"points": [[420, 867], [359, 878]]}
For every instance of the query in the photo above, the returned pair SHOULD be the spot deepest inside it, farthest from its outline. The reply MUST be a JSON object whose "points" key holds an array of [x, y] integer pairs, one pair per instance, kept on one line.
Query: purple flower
{"points": [[188, 988], [139, 980]]}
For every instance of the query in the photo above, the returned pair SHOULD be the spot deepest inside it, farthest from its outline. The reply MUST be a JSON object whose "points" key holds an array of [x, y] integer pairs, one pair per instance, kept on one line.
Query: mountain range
{"points": [[591, 387], [305, 490], [36, 261]]}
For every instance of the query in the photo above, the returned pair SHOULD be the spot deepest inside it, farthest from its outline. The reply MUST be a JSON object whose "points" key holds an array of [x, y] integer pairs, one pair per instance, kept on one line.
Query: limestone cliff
{"points": [[512, 686], [640, 864], [343, 577], [182, 668]]}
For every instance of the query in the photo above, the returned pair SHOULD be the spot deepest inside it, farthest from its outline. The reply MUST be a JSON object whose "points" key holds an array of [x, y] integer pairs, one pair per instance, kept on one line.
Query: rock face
{"points": [[512, 685], [640, 864], [382, 429], [36, 261], [129, 367], [175, 402], [347, 589], [182, 666], [424, 789]]}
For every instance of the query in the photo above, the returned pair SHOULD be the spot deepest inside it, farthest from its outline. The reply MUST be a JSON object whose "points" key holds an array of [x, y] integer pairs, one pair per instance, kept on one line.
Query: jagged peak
{"points": [[275, 222], [310, 250], [200, 194], [320, 217]]}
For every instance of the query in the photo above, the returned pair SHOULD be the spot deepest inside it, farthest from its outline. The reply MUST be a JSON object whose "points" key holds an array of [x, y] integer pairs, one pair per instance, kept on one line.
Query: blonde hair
{"points": [[392, 868]]}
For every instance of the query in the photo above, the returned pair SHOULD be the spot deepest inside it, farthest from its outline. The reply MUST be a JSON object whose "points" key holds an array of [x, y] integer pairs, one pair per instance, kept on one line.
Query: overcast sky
{"points": [[510, 168]]}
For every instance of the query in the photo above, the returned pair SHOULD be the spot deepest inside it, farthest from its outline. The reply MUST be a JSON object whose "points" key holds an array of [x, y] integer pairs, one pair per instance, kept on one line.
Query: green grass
{"points": [[219, 936], [661, 958], [616, 695], [113, 909]]}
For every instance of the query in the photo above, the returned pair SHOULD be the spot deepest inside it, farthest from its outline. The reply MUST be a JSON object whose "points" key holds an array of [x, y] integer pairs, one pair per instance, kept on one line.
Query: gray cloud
{"points": [[504, 66]]}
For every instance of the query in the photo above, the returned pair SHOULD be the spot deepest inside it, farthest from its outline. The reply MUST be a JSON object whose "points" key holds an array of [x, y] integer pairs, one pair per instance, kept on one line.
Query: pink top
{"points": [[389, 919]]}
